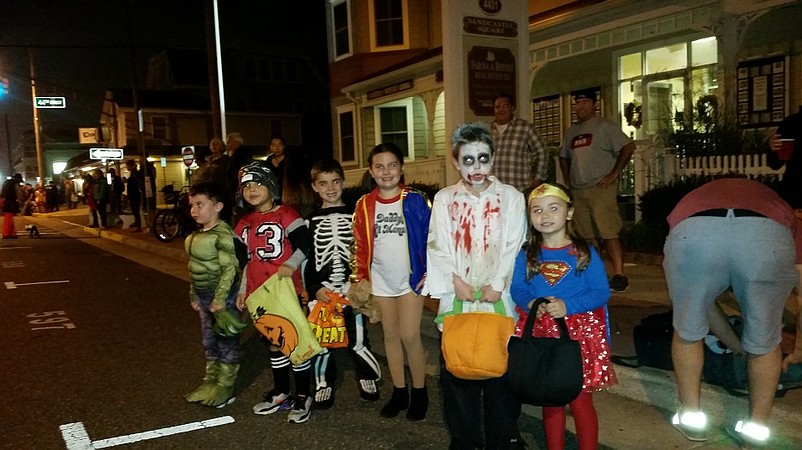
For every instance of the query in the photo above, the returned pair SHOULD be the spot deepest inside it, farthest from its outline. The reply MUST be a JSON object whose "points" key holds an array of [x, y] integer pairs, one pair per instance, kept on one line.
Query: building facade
{"points": [[660, 66]]}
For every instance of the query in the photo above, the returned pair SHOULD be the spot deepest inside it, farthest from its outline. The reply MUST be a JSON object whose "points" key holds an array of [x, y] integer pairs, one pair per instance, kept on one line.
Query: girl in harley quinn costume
{"points": [[390, 227], [562, 267]]}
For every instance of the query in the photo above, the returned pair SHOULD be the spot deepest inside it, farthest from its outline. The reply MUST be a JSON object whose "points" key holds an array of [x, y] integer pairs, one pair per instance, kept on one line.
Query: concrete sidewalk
{"points": [[632, 415]]}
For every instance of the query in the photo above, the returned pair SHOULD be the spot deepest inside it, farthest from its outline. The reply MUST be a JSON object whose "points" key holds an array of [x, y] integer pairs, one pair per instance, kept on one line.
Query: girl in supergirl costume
{"points": [[390, 229], [560, 266]]}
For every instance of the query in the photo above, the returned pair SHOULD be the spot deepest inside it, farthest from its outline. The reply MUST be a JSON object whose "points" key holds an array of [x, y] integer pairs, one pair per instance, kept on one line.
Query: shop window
{"points": [[347, 136], [704, 51], [341, 28], [394, 122], [658, 87], [389, 24], [665, 59], [159, 128], [630, 65]]}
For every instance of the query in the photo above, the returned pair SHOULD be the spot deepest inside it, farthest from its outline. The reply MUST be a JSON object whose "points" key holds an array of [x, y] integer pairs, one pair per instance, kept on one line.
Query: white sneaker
{"points": [[301, 409], [751, 433], [692, 425], [274, 401]]}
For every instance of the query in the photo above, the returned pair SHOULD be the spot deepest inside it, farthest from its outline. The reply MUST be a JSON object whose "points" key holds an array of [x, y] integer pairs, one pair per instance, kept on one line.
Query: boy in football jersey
{"points": [[278, 241]]}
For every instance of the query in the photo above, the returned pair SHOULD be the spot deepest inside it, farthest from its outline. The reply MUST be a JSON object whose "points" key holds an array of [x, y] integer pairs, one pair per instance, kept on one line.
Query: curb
{"points": [[646, 259], [156, 248]]}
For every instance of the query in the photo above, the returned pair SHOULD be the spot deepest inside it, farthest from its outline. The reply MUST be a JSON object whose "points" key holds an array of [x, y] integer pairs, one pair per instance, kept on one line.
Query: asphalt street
{"points": [[121, 347]]}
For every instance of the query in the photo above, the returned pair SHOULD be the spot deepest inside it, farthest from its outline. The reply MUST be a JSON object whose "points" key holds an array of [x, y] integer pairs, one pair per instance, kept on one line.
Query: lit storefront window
{"points": [[660, 87]]}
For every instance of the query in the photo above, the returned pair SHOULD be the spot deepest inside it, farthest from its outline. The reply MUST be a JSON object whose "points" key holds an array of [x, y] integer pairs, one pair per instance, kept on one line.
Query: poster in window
{"points": [[546, 119], [760, 94], [777, 79]]}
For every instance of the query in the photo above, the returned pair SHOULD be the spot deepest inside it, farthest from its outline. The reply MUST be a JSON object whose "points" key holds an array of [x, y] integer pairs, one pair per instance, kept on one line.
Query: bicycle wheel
{"points": [[165, 225]]}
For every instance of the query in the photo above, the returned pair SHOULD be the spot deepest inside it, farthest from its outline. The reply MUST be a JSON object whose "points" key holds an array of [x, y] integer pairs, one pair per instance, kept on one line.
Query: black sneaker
{"points": [[301, 409], [619, 283]]}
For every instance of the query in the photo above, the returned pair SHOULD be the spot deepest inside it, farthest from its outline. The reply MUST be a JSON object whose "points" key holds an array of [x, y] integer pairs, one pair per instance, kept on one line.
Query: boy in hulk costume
{"points": [[214, 275]]}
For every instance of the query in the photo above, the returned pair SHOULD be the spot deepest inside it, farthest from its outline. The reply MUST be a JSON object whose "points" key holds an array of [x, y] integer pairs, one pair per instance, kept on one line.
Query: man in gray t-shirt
{"points": [[594, 153]]}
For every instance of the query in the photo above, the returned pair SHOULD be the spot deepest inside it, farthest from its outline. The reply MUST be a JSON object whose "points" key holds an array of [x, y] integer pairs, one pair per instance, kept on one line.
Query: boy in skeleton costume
{"points": [[327, 270]]}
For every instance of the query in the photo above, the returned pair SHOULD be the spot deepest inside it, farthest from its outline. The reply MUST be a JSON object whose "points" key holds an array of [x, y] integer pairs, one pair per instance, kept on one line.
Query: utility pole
{"points": [[210, 14], [40, 164], [8, 147]]}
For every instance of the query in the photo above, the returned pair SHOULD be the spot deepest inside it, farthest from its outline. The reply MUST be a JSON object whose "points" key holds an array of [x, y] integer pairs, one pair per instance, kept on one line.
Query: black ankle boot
{"points": [[398, 402], [418, 404]]}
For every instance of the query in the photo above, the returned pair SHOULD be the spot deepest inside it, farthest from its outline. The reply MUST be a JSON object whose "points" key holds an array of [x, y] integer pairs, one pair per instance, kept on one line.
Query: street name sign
{"points": [[105, 153], [51, 102]]}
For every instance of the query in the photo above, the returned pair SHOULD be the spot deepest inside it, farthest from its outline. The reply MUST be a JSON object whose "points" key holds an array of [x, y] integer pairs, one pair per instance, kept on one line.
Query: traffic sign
{"points": [[188, 155], [51, 102], [105, 153]]}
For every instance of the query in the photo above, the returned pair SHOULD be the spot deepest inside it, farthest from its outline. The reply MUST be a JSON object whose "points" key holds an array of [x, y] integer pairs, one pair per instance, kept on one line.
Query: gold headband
{"points": [[548, 189]]}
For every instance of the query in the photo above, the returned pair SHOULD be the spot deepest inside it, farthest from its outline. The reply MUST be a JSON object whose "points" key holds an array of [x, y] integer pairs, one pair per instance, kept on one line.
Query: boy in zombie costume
{"points": [[477, 228]]}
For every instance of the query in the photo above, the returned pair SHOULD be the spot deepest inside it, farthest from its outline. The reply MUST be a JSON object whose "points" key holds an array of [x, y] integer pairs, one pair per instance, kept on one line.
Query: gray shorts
{"points": [[754, 255]]}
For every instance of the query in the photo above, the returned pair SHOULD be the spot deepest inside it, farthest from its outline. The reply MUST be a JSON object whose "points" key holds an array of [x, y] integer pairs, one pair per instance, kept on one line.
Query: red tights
{"points": [[587, 424]]}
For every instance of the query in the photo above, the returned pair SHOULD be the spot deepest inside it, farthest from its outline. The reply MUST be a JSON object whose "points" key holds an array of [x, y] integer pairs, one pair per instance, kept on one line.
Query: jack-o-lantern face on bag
{"points": [[279, 331]]}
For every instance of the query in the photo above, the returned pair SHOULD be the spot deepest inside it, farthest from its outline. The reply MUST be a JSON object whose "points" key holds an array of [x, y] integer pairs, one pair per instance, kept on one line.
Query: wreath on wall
{"points": [[632, 112]]}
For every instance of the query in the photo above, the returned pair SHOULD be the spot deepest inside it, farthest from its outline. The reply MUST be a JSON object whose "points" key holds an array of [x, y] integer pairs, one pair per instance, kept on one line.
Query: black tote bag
{"points": [[544, 371]]}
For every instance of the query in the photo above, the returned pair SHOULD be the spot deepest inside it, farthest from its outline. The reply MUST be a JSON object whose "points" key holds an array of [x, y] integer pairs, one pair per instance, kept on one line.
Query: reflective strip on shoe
{"points": [[692, 425], [752, 433]]}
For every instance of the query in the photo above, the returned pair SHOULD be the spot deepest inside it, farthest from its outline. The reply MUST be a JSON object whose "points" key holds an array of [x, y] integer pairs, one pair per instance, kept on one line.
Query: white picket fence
{"points": [[654, 165], [651, 166]]}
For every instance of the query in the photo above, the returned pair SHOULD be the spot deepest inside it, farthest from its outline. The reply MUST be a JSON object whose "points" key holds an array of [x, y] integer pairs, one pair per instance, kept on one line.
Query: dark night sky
{"points": [[81, 47]]}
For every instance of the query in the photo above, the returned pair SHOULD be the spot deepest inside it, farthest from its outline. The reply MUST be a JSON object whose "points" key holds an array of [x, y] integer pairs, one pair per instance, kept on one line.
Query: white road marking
{"points": [[76, 437], [13, 264], [12, 248], [12, 285]]}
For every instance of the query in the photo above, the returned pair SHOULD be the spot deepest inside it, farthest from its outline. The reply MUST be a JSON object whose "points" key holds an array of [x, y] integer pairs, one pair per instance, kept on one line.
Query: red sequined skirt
{"points": [[590, 329]]}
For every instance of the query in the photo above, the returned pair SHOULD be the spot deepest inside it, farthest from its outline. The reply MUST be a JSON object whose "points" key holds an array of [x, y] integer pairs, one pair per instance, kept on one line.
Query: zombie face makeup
{"points": [[474, 163]]}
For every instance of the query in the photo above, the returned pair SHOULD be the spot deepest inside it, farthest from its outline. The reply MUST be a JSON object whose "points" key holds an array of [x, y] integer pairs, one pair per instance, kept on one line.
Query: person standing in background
{"points": [[520, 159], [117, 189], [277, 158], [134, 194], [790, 131], [12, 197], [240, 157], [101, 193], [594, 153]]}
